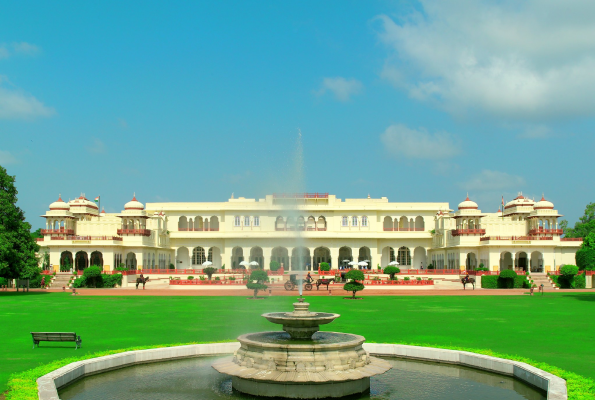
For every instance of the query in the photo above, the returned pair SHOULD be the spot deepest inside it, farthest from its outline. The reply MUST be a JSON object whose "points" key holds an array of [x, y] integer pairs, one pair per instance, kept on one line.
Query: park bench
{"points": [[56, 337]]}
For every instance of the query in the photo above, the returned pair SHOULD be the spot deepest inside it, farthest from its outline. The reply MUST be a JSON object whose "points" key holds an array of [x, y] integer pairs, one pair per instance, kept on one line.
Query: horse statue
{"points": [[323, 282], [468, 280], [143, 281]]}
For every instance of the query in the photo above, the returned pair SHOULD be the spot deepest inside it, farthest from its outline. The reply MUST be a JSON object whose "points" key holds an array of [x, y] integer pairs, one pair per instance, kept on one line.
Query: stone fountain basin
{"points": [[302, 321]]}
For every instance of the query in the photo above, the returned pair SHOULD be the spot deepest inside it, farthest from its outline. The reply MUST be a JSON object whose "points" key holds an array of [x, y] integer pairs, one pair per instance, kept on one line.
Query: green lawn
{"points": [[558, 329]]}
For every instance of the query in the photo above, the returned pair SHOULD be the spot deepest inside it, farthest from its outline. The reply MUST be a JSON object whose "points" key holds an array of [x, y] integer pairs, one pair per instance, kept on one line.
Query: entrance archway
{"points": [[300, 259], [81, 260], [66, 263], [505, 261], [471, 262], [365, 255], [237, 256], [419, 258], [281, 255], [257, 255], [388, 256], [345, 256], [183, 258], [404, 257], [198, 256], [97, 259], [536, 261], [522, 262], [131, 261], [322, 254]]}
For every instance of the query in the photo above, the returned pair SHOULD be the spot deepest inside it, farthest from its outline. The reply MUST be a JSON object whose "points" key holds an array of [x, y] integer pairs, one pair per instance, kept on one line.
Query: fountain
{"points": [[301, 363]]}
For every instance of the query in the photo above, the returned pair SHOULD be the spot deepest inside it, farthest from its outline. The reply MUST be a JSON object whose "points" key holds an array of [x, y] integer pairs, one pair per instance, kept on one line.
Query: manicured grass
{"points": [[558, 329]]}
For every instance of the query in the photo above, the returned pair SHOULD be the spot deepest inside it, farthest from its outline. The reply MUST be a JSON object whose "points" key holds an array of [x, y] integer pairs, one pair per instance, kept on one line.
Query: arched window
{"points": [[353, 221], [246, 221], [236, 220], [256, 221], [344, 221], [198, 256], [364, 221]]}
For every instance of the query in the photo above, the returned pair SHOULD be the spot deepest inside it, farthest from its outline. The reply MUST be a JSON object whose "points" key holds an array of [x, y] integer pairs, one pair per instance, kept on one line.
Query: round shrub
{"points": [[209, 271], [92, 275], [256, 281], [324, 266], [190, 278], [392, 270], [354, 286], [569, 270], [274, 266], [508, 274]]}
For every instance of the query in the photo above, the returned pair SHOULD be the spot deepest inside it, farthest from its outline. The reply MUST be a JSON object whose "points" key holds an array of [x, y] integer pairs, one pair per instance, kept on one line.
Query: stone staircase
{"points": [[541, 278], [61, 280]]}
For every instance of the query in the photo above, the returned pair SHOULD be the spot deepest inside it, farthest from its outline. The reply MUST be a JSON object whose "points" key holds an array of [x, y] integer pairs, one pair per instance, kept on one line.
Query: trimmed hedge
{"points": [[103, 281], [23, 385], [495, 282], [576, 282]]}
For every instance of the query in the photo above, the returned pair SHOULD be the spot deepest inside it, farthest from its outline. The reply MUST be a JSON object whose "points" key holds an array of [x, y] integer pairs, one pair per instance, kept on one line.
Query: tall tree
{"points": [[17, 247], [583, 227]]}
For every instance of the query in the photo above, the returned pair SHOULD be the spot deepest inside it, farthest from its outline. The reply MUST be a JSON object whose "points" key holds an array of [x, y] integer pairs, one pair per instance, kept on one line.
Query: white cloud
{"points": [[517, 60], [402, 141], [536, 132], [15, 104], [25, 48], [342, 88], [4, 52], [6, 158], [488, 180], [98, 147]]}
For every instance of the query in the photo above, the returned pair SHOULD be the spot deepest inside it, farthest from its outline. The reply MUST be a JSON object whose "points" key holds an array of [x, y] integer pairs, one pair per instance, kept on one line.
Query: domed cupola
{"points": [[59, 205], [134, 204], [543, 204], [82, 206], [467, 204]]}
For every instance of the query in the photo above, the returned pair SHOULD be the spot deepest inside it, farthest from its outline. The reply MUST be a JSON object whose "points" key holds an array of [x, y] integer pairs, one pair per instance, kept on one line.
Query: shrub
{"points": [[430, 266], [585, 256], [79, 282], [232, 278], [257, 281], [92, 275], [110, 281], [217, 278], [391, 270], [572, 282], [190, 278], [354, 286], [569, 270], [481, 266], [496, 282], [209, 271], [406, 278], [171, 266], [324, 266], [274, 266], [3, 281], [202, 278], [223, 266], [418, 279]]}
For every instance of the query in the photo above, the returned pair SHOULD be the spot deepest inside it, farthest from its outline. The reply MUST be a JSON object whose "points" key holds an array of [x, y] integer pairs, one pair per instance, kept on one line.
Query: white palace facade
{"points": [[306, 228]]}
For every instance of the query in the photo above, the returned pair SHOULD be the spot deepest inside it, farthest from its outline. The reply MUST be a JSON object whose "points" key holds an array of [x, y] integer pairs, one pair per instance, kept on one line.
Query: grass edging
{"points": [[579, 387], [23, 385]]}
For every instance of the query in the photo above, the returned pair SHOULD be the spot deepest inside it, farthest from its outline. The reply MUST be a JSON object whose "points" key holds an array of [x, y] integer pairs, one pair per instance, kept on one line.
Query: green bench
{"points": [[56, 337]]}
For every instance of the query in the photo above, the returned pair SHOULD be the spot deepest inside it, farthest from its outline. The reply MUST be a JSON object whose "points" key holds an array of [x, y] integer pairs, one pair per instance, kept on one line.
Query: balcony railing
{"points": [[62, 231], [546, 231], [134, 232], [293, 228], [198, 229], [386, 229], [572, 239], [73, 237], [516, 238], [461, 232]]}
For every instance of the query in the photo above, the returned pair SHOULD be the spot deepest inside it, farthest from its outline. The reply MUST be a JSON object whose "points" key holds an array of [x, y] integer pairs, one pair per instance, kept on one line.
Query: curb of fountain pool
{"points": [[48, 384], [553, 385]]}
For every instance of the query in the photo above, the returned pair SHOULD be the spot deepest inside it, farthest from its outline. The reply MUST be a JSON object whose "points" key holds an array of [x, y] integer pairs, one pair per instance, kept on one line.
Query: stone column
{"points": [[334, 257]]}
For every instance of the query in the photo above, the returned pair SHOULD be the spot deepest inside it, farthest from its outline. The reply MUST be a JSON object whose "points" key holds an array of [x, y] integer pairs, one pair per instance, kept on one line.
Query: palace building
{"points": [[307, 228]]}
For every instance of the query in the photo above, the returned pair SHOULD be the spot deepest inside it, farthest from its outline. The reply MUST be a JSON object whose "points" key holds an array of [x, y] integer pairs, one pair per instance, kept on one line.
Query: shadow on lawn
{"points": [[588, 296], [15, 294]]}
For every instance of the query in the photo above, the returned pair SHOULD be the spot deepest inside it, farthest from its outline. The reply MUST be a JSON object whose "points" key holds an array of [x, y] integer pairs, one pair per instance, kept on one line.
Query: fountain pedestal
{"points": [[301, 363]]}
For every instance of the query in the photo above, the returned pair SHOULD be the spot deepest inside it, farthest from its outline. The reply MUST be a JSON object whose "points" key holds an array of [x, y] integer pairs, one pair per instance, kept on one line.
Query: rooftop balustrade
{"points": [[462, 232], [134, 232], [541, 231], [62, 231]]}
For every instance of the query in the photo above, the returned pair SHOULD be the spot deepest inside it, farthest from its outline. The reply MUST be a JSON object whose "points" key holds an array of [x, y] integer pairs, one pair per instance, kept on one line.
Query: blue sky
{"points": [[193, 101]]}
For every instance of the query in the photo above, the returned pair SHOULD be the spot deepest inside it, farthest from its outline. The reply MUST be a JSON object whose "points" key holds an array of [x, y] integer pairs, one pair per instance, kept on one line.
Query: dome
{"points": [[59, 205], [82, 201], [134, 204], [520, 201], [468, 205], [543, 204]]}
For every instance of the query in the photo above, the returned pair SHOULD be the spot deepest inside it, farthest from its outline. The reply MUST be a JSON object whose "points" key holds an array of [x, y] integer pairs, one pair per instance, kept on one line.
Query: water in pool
{"points": [[194, 378]]}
